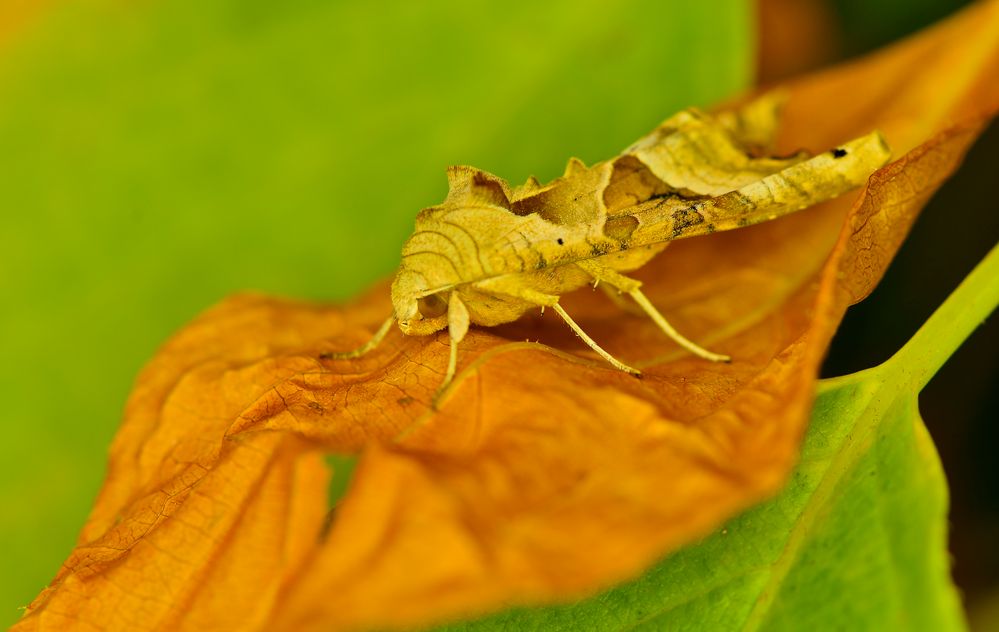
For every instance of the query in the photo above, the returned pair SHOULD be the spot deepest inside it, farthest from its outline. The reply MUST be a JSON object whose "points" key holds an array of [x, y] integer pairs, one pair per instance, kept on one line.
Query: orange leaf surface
{"points": [[546, 474]]}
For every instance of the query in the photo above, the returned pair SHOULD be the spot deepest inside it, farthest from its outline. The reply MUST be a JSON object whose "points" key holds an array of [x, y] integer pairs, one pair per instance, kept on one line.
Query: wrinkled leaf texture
{"points": [[545, 475], [857, 538]]}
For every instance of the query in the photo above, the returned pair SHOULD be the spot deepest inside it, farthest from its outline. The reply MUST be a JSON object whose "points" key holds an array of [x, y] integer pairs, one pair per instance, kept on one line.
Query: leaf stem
{"points": [[951, 324]]}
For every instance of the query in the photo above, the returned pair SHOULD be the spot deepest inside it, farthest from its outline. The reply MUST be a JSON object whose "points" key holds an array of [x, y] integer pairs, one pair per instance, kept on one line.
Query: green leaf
{"points": [[342, 466], [160, 155], [855, 541]]}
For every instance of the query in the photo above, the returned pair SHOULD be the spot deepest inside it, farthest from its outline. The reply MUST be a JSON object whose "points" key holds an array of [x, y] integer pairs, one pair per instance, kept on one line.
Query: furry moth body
{"points": [[491, 252]]}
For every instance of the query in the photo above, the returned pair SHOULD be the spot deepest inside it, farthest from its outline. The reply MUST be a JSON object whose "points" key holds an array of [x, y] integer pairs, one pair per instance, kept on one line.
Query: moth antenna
{"points": [[363, 349]]}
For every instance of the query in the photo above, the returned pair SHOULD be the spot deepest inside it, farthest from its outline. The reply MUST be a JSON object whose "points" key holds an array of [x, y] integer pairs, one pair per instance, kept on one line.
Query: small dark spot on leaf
{"points": [[838, 153], [560, 241]]}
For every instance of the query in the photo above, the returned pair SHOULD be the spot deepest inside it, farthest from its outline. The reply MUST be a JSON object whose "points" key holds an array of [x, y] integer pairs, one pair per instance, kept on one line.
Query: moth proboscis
{"points": [[490, 252]]}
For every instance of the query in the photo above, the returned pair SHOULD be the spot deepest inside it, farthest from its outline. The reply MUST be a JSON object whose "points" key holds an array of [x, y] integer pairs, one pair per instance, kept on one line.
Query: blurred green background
{"points": [[157, 156]]}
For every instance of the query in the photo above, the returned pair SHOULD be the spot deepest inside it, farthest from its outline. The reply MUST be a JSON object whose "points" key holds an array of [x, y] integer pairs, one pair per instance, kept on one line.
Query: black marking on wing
{"points": [[542, 262], [684, 218]]}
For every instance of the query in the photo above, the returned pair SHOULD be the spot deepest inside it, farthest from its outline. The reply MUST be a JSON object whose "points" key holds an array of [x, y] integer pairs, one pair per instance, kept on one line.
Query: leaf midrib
{"points": [[879, 394]]}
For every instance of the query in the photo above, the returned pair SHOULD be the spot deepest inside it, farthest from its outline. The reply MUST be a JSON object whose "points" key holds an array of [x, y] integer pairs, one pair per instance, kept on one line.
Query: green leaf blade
{"points": [[844, 546], [873, 556], [856, 540]]}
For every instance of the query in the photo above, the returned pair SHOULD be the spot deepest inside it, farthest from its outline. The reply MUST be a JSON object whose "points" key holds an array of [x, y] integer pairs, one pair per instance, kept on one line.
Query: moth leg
{"points": [[516, 290], [457, 327], [615, 297], [363, 349], [632, 288], [673, 333], [617, 364]]}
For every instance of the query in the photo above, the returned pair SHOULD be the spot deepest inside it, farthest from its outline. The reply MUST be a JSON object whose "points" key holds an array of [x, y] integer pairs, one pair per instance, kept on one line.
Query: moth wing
{"points": [[695, 154], [469, 186], [755, 123], [575, 198], [798, 186]]}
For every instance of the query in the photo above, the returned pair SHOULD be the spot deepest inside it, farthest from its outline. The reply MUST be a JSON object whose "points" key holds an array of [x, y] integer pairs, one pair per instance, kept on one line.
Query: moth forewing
{"points": [[799, 186], [491, 252]]}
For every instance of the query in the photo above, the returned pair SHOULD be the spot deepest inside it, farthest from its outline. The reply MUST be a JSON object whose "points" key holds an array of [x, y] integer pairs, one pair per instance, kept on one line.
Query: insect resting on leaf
{"points": [[490, 252]]}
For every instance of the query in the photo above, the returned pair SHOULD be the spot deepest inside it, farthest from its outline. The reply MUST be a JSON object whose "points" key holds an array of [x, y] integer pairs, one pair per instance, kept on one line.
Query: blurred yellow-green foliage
{"points": [[156, 156]]}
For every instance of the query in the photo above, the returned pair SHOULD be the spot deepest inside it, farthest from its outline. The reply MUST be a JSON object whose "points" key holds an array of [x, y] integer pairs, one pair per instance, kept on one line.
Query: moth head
{"points": [[418, 311]]}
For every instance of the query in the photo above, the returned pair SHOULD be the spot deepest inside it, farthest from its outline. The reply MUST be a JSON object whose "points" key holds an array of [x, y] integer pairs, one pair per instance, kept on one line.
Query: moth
{"points": [[491, 252]]}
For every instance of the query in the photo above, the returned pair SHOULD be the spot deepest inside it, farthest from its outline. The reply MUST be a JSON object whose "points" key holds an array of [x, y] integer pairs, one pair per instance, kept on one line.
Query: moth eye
{"points": [[432, 306]]}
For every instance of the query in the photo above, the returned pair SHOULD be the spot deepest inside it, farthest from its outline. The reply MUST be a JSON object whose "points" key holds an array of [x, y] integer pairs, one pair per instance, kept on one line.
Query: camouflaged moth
{"points": [[490, 252]]}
